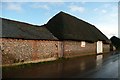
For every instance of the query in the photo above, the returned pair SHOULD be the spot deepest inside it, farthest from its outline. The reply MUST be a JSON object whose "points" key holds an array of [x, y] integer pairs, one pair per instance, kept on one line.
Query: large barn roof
{"points": [[61, 27], [20, 30], [67, 27]]}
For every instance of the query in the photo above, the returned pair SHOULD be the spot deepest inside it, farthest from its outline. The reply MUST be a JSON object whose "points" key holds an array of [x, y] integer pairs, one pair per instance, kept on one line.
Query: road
{"points": [[94, 66], [107, 68]]}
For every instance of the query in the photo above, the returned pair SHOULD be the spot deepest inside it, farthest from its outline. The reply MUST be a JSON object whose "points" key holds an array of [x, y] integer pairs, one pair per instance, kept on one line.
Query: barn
{"points": [[71, 29], [23, 42], [62, 36]]}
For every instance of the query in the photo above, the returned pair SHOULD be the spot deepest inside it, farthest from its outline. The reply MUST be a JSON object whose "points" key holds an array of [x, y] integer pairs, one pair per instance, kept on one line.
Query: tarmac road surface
{"points": [[94, 66]]}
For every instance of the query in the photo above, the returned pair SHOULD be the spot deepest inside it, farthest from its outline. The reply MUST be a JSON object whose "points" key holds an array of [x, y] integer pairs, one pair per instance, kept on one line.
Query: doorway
{"points": [[99, 47]]}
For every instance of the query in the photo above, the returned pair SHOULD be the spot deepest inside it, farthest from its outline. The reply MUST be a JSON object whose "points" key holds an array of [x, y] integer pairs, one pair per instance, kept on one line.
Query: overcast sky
{"points": [[104, 15]]}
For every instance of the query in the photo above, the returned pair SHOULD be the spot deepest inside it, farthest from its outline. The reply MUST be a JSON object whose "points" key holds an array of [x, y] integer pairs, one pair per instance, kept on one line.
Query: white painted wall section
{"points": [[82, 43], [99, 47]]}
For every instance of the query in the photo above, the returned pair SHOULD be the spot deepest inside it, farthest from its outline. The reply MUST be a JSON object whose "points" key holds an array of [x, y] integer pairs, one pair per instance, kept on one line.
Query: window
{"points": [[82, 43]]}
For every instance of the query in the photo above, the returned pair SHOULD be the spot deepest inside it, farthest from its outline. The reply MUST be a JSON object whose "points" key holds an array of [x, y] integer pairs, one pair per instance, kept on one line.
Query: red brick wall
{"points": [[73, 48], [106, 47], [14, 51]]}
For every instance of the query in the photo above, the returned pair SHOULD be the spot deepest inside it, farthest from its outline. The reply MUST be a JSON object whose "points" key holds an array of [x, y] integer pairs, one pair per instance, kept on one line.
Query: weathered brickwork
{"points": [[106, 47], [73, 48], [20, 51], [14, 51]]}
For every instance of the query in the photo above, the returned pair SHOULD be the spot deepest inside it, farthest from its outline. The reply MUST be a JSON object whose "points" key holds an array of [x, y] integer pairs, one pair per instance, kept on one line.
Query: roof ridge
{"points": [[61, 12], [19, 22]]}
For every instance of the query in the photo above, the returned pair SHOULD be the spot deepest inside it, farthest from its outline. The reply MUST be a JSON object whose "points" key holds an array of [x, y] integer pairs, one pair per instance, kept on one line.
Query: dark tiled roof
{"points": [[67, 27], [15, 29]]}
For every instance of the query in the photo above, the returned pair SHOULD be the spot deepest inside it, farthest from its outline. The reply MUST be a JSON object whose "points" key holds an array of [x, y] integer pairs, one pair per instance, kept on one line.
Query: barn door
{"points": [[99, 47]]}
